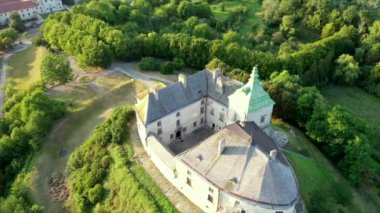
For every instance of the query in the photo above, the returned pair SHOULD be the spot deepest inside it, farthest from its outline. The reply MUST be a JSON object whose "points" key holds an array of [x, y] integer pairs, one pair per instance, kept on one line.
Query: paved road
{"points": [[128, 69], [3, 74]]}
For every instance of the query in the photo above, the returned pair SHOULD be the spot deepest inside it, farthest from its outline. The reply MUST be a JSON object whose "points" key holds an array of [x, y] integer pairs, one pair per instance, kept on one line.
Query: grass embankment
{"points": [[316, 174], [251, 20], [24, 67], [72, 132], [100, 172]]}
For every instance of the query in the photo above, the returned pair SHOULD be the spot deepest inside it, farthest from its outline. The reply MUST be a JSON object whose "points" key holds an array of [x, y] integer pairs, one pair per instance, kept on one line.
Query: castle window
{"points": [[202, 110], [262, 119], [210, 190], [210, 198], [178, 114], [159, 123], [195, 124], [159, 131], [202, 102], [201, 120], [188, 181], [178, 123], [188, 173], [212, 111], [221, 117]]}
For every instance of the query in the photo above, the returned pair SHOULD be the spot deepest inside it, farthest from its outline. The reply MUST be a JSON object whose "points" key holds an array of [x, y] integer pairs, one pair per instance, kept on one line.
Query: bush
{"points": [[167, 68], [149, 64]]}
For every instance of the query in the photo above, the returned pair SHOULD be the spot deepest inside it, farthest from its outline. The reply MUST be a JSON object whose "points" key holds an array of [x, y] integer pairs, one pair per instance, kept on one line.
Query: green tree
{"points": [[347, 70], [15, 22], [55, 69], [328, 30]]}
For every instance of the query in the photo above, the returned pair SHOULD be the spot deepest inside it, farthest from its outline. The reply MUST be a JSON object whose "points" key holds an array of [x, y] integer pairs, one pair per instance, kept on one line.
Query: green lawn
{"points": [[315, 172], [361, 103], [251, 22], [71, 132], [24, 67]]}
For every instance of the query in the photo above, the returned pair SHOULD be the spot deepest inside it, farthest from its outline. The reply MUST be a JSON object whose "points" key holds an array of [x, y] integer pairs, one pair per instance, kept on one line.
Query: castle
{"points": [[209, 135], [27, 9]]}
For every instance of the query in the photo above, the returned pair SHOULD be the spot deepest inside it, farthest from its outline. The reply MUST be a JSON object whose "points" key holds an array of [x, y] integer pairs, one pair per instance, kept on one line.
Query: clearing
{"points": [[251, 21], [361, 103], [315, 172], [24, 67]]}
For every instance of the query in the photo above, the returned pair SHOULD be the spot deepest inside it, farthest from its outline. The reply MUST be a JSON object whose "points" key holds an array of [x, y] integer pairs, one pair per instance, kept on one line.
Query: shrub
{"points": [[149, 64], [167, 68]]}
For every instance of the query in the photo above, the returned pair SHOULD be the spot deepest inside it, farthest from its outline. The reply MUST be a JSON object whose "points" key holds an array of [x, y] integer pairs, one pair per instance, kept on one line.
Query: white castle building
{"points": [[27, 9], [209, 136]]}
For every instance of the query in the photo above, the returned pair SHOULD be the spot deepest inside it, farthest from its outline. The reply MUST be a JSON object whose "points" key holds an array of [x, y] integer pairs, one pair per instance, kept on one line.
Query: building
{"points": [[27, 9], [209, 136]]}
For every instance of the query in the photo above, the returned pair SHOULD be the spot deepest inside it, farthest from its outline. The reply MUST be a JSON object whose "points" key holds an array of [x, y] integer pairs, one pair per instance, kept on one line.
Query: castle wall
{"points": [[190, 118], [48, 6], [214, 112], [262, 117], [25, 14]]}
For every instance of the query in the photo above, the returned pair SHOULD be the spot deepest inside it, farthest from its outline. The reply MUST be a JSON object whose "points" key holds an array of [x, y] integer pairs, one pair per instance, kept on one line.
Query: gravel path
{"points": [[176, 197]]}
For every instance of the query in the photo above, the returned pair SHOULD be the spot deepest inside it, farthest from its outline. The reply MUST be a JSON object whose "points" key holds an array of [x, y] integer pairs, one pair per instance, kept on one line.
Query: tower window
{"points": [[195, 124], [159, 131], [188, 181], [159, 123], [210, 198], [178, 114], [262, 119]]}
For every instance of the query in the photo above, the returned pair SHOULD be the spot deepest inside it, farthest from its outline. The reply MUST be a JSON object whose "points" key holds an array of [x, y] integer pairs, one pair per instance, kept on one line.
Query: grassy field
{"points": [[24, 67], [251, 22], [70, 133], [361, 103], [315, 172]]}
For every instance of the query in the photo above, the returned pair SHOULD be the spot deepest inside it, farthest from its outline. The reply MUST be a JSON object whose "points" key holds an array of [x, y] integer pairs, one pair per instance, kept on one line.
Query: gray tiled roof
{"points": [[245, 160], [177, 95]]}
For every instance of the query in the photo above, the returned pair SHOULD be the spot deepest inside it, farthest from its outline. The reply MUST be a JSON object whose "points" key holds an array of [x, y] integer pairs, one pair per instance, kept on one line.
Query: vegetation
{"points": [[16, 23], [27, 119], [88, 177], [7, 38], [149, 64], [317, 42], [55, 69], [24, 69]]}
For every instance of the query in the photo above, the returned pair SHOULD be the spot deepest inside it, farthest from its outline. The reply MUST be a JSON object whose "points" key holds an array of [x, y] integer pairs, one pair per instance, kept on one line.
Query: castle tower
{"points": [[252, 103]]}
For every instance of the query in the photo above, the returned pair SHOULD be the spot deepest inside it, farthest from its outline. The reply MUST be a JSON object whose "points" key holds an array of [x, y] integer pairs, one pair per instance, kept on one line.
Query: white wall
{"points": [[25, 14], [48, 6], [213, 120], [232, 203], [188, 115], [256, 116], [199, 190]]}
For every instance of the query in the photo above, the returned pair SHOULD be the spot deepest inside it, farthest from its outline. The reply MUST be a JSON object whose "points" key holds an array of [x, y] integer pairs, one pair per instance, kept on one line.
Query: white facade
{"points": [[157, 134], [29, 9]]}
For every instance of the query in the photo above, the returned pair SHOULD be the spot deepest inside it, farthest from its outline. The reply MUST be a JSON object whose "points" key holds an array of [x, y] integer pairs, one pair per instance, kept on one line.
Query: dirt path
{"points": [[176, 197]]}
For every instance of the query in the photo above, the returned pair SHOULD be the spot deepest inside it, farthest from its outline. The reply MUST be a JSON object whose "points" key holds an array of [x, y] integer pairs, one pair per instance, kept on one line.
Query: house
{"points": [[27, 9], [209, 135]]}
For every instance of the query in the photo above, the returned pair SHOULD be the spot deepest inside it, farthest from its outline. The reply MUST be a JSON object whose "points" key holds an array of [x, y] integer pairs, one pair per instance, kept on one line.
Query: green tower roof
{"points": [[258, 97]]}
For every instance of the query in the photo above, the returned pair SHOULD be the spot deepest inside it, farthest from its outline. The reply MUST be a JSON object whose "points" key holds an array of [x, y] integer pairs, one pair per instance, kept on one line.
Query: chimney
{"points": [[273, 154], [215, 74], [242, 123], [155, 93], [219, 85], [183, 79], [222, 145]]}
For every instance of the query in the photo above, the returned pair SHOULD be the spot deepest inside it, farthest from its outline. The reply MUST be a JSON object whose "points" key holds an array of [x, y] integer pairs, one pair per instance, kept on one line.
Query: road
{"points": [[3, 74], [129, 70]]}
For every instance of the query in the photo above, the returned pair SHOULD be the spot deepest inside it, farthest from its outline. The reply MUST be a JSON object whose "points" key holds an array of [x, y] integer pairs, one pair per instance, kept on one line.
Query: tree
{"points": [[55, 69], [347, 70], [15, 22], [328, 30]]}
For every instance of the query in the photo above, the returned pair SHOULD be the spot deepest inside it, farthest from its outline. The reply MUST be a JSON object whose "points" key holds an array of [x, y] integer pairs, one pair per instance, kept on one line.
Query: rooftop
{"points": [[175, 96], [244, 165], [14, 5]]}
